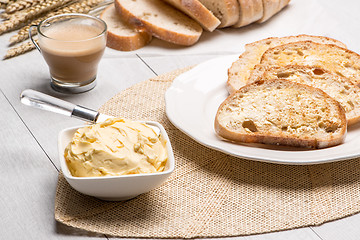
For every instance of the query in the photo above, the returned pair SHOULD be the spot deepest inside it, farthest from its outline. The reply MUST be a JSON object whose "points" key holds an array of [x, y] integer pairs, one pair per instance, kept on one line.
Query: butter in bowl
{"points": [[115, 160]]}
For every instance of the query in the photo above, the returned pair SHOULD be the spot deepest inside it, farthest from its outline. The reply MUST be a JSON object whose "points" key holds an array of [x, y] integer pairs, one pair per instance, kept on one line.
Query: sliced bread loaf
{"points": [[161, 20], [250, 11], [120, 35], [271, 7], [227, 11], [198, 12], [281, 112], [239, 72], [336, 59], [337, 87]]}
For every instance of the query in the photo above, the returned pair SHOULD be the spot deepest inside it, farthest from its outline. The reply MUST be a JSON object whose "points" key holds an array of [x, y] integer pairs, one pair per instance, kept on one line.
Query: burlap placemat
{"points": [[211, 194]]}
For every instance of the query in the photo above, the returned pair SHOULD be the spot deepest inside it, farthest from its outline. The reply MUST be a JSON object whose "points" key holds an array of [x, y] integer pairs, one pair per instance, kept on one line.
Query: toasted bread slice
{"points": [[336, 59], [161, 20], [227, 11], [196, 10], [271, 7], [250, 11], [120, 35], [239, 72], [337, 87], [281, 112]]}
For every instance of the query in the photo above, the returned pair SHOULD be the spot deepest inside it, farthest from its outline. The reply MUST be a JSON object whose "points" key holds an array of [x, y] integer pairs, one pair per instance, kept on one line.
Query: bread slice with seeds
{"points": [[120, 35], [161, 20], [196, 10], [336, 59], [239, 72], [281, 112], [337, 87]]}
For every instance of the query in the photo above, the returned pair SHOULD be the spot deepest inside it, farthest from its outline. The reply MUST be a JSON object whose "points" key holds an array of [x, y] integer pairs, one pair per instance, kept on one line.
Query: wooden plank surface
{"points": [[29, 162]]}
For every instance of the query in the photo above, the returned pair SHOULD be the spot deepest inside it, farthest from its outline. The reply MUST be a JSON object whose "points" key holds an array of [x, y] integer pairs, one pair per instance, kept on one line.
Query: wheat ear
{"points": [[20, 5], [20, 18], [5, 3], [21, 49]]}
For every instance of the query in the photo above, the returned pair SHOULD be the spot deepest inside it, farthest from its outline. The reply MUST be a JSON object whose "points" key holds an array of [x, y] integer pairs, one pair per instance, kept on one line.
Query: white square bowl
{"points": [[115, 188]]}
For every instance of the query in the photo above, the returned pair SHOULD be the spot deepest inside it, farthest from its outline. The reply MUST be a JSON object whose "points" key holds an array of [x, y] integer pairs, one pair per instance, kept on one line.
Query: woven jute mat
{"points": [[211, 194]]}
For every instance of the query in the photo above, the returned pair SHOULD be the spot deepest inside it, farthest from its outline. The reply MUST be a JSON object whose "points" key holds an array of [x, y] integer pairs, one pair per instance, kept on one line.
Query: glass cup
{"points": [[72, 46]]}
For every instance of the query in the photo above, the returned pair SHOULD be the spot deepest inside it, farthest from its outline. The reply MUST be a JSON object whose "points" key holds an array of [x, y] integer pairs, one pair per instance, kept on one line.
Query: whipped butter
{"points": [[115, 147]]}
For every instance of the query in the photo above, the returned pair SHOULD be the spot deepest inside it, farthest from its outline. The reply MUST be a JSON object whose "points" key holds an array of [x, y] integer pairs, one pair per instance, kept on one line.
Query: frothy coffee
{"points": [[72, 51]]}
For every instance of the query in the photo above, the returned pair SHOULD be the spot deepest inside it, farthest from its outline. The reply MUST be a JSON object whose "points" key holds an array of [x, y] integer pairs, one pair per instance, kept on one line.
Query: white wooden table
{"points": [[29, 163]]}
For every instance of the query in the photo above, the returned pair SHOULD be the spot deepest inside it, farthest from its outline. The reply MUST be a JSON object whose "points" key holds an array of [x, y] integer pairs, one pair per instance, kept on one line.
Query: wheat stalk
{"points": [[22, 17], [4, 15], [25, 11], [21, 49], [80, 7], [5, 3], [20, 4]]}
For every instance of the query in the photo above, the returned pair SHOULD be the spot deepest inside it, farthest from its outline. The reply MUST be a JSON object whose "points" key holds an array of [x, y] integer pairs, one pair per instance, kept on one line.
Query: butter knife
{"points": [[46, 102]]}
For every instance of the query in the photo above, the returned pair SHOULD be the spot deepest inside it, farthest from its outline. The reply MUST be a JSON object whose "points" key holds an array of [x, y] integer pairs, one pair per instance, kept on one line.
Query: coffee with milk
{"points": [[72, 46], [72, 52]]}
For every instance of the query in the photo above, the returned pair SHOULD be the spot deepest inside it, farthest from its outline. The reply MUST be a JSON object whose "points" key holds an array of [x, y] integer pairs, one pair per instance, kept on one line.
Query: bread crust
{"points": [[198, 12], [123, 42], [250, 11], [282, 138], [271, 41], [272, 7], [227, 11], [160, 31], [239, 72]]}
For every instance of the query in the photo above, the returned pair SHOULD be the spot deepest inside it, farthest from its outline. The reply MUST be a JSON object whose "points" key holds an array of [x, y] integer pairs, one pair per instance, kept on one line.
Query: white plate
{"points": [[192, 102]]}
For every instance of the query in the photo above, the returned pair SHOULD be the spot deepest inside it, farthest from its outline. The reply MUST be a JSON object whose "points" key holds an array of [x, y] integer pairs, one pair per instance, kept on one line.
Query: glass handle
{"points": [[43, 101], [31, 37]]}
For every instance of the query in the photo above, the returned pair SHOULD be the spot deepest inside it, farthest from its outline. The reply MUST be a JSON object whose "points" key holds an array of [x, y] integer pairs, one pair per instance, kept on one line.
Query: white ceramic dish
{"points": [[192, 102], [115, 188]]}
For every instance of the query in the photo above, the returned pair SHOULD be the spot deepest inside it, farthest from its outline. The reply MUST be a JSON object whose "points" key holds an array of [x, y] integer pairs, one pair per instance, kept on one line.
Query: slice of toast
{"points": [[227, 11], [239, 72], [196, 10], [336, 59], [120, 35], [250, 11], [281, 112], [337, 87], [160, 20]]}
